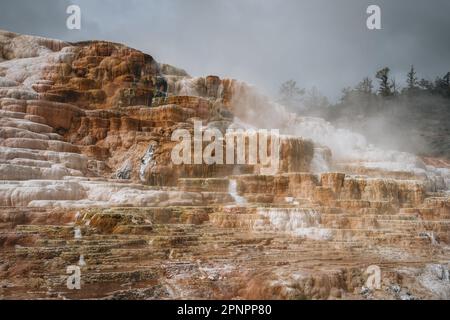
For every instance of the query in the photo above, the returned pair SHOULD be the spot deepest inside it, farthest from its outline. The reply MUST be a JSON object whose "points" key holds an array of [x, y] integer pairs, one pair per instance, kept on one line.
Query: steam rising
{"points": [[251, 107]]}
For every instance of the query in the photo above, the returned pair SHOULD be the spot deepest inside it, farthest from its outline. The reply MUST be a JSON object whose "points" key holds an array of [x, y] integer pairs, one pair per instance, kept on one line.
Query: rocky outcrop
{"points": [[86, 179]]}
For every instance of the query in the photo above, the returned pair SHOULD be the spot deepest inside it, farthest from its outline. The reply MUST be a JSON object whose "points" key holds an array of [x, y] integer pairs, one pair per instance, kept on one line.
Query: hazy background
{"points": [[315, 42]]}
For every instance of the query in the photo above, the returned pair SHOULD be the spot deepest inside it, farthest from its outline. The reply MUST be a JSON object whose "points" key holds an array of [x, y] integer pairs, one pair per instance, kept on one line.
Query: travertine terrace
{"points": [[86, 179]]}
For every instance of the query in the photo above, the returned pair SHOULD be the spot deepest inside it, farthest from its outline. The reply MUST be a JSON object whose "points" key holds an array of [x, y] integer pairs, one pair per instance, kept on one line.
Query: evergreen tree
{"points": [[426, 85], [394, 88], [446, 79], [365, 86], [385, 89], [290, 94], [447, 84], [442, 85], [411, 79], [315, 100]]}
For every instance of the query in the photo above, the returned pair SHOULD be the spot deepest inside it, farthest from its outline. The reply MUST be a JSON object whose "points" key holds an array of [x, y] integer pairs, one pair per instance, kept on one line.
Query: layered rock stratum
{"points": [[86, 179]]}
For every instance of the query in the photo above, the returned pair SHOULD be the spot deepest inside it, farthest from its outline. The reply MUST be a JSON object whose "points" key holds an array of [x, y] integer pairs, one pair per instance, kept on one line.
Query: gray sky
{"points": [[323, 43]]}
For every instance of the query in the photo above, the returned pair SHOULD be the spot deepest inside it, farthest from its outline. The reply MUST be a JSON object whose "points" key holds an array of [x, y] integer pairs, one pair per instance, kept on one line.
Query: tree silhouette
{"points": [[290, 94], [411, 79], [385, 86], [365, 86]]}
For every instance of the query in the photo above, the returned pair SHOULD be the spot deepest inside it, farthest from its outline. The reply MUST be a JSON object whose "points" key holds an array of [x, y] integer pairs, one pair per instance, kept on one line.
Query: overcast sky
{"points": [[322, 43]]}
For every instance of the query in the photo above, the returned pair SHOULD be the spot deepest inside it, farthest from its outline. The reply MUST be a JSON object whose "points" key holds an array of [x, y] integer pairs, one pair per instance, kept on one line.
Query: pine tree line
{"points": [[388, 87]]}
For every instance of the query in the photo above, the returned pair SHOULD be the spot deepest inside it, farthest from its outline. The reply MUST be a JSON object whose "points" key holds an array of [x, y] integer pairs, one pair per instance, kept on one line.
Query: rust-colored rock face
{"points": [[87, 180], [101, 75]]}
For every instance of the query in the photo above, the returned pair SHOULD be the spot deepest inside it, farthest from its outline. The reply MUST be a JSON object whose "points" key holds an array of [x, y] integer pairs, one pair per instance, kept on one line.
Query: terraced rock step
{"points": [[147, 252]]}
